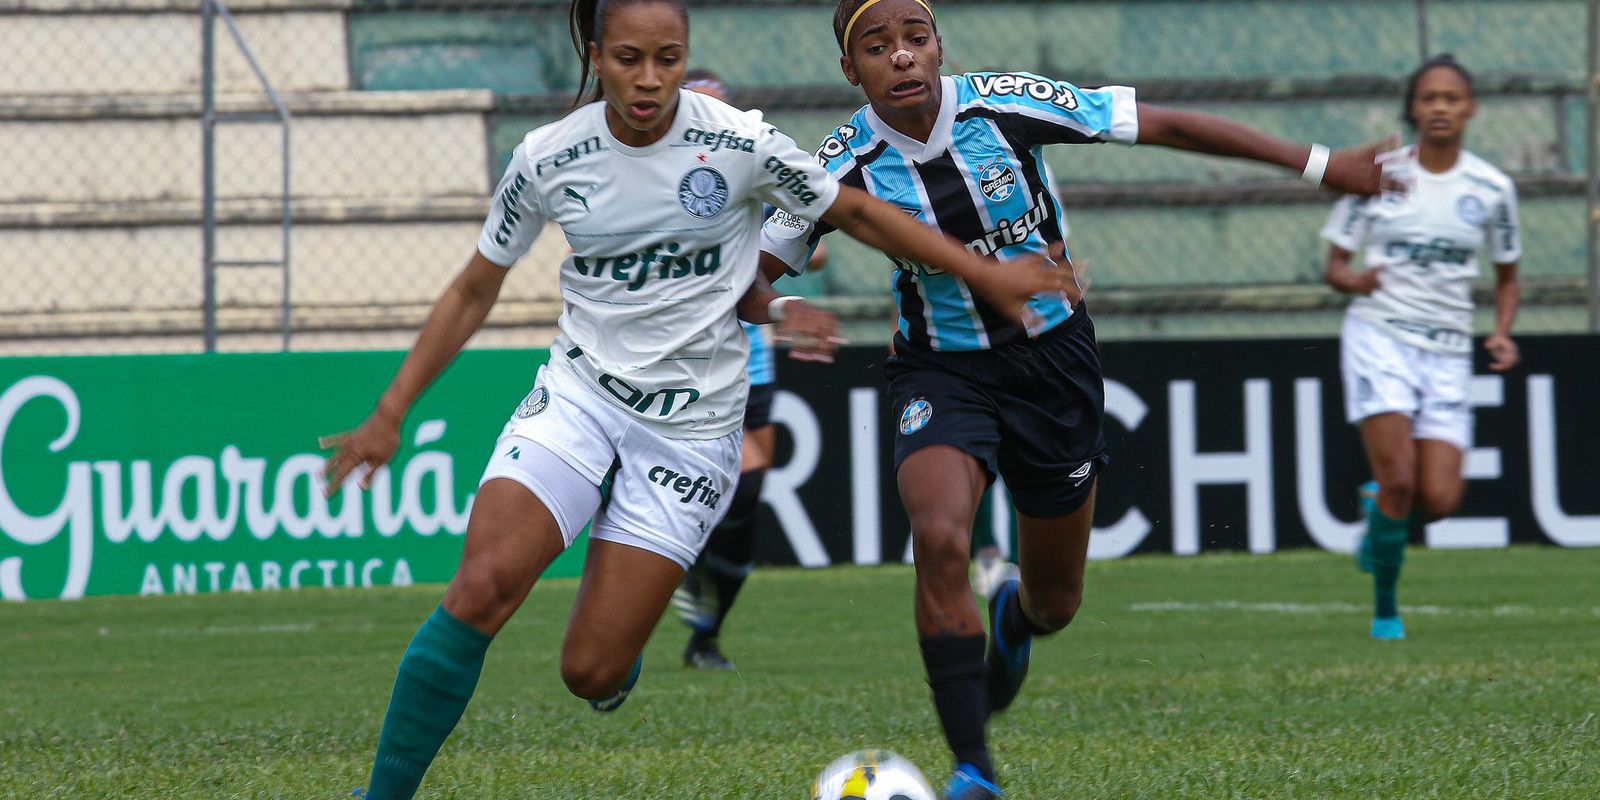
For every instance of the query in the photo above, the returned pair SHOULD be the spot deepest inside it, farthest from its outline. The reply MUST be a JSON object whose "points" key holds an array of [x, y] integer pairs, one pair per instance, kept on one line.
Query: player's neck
{"points": [[634, 137], [1439, 156], [916, 123]]}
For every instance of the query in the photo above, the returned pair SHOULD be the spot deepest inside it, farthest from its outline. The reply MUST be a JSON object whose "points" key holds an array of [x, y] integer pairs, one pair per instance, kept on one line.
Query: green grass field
{"points": [[1211, 677]]}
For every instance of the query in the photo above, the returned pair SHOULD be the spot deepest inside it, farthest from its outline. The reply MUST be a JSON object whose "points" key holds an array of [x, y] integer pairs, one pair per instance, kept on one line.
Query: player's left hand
{"points": [[1358, 170], [1076, 283], [1503, 353], [811, 333]]}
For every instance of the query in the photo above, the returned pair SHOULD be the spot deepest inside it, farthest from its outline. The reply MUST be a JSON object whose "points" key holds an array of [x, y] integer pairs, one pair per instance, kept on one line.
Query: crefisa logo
{"points": [[998, 182]]}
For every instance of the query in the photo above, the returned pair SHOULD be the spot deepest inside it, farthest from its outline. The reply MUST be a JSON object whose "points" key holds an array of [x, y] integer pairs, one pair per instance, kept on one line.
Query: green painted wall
{"points": [[1125, 41]]}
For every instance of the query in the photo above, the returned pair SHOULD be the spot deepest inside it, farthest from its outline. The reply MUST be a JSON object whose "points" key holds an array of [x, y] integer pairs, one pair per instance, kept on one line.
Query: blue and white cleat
{"points": [[967, 784], [615, 701], [695, 601], [1368, 494], [1388, 629], [1005, 663]]}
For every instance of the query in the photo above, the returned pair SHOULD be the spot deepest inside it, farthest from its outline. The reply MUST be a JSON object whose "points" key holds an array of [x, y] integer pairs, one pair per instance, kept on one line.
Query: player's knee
{"points": [[590, 677], [1054, 610], [942, 555], [480, 598], [1399, 492], [1437, 504]]}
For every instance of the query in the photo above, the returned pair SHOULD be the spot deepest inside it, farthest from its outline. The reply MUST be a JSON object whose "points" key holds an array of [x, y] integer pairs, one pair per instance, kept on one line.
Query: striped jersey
{"points": [[980, 178], [760, 368]]}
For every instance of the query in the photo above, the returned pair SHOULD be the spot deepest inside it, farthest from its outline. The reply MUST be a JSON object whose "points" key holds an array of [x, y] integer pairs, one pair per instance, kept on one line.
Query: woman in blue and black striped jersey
{"points": [[975, 394]]}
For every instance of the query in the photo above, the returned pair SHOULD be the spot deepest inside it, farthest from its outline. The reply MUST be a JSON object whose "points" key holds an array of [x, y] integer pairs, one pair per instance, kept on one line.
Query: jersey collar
{"points": [[680, 123], [938, 141]]}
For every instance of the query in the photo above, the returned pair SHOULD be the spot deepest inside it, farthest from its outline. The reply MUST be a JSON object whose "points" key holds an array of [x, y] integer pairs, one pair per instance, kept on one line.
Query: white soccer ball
{"points": [[872, 775]]}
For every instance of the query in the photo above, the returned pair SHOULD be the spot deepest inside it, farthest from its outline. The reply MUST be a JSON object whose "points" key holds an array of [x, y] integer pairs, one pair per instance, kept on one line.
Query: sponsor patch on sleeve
{"points": [[783, 225]]}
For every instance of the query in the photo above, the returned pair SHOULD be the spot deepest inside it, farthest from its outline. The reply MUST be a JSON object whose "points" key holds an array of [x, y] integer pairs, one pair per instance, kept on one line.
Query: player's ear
{"points": [[849, 70], [594, 60], [938, 39]]}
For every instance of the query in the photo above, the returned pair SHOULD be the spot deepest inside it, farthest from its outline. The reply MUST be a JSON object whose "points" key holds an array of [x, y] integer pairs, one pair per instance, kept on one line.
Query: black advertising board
{"points": [[1215, 445]]}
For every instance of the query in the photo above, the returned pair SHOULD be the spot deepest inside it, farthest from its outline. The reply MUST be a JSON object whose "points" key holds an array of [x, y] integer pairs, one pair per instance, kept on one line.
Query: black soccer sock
{"points": [[730, 552], [955, 673], [1015, 624]]}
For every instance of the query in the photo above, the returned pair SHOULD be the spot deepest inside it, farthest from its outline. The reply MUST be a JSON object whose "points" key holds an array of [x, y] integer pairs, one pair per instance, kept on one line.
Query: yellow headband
{"points": [[845, 44]]}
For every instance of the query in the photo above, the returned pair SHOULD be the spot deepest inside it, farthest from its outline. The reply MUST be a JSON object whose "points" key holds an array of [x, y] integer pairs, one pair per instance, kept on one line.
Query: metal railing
{"points": [[210, 117]]}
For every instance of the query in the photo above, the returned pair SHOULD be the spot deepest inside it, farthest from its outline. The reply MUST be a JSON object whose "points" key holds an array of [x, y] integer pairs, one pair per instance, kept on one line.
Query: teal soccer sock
{"points": [[1388, 541], [436, 679]]}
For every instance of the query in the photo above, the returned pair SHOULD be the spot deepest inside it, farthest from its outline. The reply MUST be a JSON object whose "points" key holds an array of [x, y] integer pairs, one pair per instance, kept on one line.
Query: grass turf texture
{"points": [[1209, 677]]}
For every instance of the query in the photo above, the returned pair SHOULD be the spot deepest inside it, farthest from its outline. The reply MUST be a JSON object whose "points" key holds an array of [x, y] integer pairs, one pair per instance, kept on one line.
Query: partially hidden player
{"points": [[714, 581]]}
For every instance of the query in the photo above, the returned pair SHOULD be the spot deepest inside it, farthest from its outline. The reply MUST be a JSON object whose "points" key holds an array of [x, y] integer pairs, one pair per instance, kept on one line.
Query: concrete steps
{"points": [[106, 47], [365, 259], [63, 149]]}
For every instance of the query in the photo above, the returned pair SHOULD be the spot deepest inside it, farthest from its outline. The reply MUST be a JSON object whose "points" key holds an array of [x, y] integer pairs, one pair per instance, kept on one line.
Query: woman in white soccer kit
{"points": [[635, 423], [1406, 345]]}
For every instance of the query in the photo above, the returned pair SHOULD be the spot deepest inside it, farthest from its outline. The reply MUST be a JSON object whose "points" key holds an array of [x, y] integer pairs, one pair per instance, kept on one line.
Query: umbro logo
{"points": [[1081, 473]]}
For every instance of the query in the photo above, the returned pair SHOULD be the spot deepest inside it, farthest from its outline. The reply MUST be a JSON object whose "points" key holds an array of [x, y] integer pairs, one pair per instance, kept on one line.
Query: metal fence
{"points": [[126, 203]]}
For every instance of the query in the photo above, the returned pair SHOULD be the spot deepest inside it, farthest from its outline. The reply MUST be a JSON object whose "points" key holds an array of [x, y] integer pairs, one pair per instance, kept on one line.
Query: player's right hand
{"points": [[811, 333], [1359, 170], [1362, 283], [370, 445]]}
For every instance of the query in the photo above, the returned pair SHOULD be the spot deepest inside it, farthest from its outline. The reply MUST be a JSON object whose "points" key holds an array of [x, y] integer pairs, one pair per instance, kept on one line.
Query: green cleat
{"points": [[612, 703]]}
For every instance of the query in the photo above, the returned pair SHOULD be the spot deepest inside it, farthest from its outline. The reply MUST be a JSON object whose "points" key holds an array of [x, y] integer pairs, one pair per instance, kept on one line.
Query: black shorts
{"points": [[1031, 412], [758, 406]]}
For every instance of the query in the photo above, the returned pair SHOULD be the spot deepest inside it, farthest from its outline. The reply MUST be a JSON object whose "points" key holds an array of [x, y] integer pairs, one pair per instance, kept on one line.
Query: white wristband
{"points": [[1316, 165], [775, 308]]}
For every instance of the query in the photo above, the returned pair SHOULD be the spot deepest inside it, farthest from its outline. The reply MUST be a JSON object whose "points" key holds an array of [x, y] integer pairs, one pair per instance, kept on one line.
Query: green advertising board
{"points": [[199, 473]]}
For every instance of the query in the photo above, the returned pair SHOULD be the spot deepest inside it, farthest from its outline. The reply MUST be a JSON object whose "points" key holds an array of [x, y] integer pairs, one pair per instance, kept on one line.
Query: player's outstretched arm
{"points": [[1007, 285], [1353, 169], [811, 333], [455, 317]]}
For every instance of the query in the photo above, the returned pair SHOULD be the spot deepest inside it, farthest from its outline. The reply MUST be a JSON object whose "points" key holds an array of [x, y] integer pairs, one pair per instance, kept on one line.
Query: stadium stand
{"points": [[405, 113]]}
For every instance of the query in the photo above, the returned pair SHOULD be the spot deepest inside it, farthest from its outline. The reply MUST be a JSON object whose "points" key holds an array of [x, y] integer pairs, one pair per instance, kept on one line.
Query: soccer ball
{"points": [[871, 775]]}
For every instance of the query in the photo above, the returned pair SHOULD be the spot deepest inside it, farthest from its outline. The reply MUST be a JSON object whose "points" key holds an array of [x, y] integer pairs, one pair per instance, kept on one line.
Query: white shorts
{"points": [[1384, 375], [587, 459]]}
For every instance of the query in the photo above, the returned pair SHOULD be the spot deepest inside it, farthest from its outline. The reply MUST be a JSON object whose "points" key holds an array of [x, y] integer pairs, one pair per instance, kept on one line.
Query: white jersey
{"points": [[1427, 240], [664, 243]]}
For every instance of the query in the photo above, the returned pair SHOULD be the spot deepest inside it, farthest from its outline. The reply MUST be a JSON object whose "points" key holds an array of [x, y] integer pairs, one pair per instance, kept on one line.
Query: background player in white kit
{"points": [[1406, 345], [635, 422]]}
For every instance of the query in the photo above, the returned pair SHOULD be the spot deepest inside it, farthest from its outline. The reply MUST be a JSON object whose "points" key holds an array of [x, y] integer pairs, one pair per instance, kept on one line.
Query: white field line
{"points": [[259, 630], [1354, 608]]}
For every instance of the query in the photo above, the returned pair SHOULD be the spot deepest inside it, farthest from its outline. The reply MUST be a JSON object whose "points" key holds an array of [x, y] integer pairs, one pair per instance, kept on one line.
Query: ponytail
{"points": [[585, 26]]}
